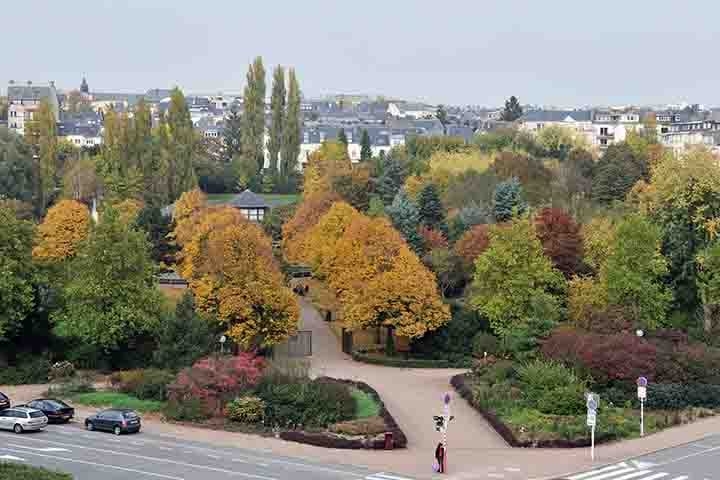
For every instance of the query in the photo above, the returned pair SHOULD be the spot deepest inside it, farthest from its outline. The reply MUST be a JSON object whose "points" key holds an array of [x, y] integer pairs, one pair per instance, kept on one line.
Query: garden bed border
{"points": [[399, 362]]}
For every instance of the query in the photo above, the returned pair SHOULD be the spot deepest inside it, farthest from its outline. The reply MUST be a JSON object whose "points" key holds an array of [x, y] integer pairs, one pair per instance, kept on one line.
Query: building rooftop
{"points": [[17, 93], [248, 199], [557, 116]]}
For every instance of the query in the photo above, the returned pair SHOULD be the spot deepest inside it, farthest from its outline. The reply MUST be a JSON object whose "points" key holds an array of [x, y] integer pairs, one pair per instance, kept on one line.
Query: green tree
{"points": [[512, 110], [406, 219], [342, 137], [616, 173], [442, 116], [291, 135], [112, 296], [17, 168], [184, 337], [633, 272], [365, 147], [157, 227], [391, 179], [430, 208], [232, 134], [515, 284], [509, 200], [182, 146], [376, 207], [41, 133], [277, 106], [16, 272], [253, 119]]}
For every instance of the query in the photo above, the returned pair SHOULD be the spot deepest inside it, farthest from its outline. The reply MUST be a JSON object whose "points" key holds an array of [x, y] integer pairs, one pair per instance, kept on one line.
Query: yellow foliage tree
{"points": [[585, 296], [185, 214], [319, 245], [459, 162], [330, 161], [403, 298], [65, 226], [312, 208], [129, 209], [598, 236]]}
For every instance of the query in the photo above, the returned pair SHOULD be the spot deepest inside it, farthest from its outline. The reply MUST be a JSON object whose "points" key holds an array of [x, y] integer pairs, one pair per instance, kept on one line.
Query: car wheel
{"points": [[117, 430], [18, 428], [89, 426]]}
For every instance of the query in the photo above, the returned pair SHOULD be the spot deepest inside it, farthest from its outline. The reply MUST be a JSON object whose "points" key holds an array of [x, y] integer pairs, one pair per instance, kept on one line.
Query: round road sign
{"points": [[642, 382]]}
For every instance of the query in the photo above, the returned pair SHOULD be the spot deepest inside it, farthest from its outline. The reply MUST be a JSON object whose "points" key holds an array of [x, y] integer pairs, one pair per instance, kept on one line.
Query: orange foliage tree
{"points": [[472, 244], [326, 164], [306, 216], [65, 226], [185, 213], [319, 245]]}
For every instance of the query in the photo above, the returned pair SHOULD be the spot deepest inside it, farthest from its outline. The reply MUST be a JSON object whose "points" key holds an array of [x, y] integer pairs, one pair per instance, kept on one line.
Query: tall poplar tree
{"points": [[342, 137], [42, 135], [365, 147], [291, 135], [277, 123], [232, 134], [182, 145], [253, 119]]}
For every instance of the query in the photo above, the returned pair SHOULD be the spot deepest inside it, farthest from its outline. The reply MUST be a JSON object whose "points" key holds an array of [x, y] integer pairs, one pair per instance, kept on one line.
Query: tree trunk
{"points": [[708, 312]]}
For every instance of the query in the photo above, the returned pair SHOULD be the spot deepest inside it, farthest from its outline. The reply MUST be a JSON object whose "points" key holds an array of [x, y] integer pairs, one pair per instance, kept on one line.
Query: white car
{"points": [[21, 419]]}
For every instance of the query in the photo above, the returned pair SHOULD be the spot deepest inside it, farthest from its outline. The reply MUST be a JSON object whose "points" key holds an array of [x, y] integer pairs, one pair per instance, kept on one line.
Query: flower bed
{"points": [[400, 362]]}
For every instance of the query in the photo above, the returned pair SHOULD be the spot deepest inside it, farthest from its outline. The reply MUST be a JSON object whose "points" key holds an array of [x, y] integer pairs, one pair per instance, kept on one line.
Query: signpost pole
{"points": [[642, 395], [592, 443], [642, 418], [593, 402], [446, 401]]}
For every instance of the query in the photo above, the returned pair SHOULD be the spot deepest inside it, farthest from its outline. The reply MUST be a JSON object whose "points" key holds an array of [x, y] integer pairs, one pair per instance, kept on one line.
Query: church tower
{"points": [[84, 87]]}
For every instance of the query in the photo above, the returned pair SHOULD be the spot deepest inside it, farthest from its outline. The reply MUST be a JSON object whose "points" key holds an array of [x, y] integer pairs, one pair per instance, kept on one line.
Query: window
{"points": [[36, 414], [603, 130], [603, 141]]}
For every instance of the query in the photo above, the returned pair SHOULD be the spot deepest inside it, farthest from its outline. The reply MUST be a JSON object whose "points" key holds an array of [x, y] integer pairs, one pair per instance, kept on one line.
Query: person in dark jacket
{"points": [[440, 457]]}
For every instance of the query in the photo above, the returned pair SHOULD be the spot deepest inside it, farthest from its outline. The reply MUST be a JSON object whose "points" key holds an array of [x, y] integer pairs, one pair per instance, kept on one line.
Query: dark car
{"points": [[4, 401], [55, 410], [116, 420]]}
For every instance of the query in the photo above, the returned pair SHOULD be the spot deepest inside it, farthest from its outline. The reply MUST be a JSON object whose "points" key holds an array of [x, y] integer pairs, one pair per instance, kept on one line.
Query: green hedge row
{"points": [[13, 471], [400, 362], [27, 372], [676, 396]]}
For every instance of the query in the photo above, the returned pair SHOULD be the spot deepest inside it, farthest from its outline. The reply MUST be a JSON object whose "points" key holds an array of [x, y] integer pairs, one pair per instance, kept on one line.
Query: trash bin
{"points": [[388, 441]]}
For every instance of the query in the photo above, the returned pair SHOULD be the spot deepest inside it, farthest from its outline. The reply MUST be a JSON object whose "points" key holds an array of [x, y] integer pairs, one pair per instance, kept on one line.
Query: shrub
{"points": [[72, 386], [26, 372], [150, 384], [673, 396], [363, 426], [216, 380], [551, 388], [14, 471], [246, 410], [483, 343], [62, 370], [365, 404], [185, 409]]}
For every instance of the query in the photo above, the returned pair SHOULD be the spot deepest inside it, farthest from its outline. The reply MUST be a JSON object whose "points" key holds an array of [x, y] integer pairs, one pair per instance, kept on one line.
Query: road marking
{"points": [[642, 465], [11, 458], [656, 476], [216, 457], [581, 476], [156, 459], [167, 449], [496, 475], [46, 449], [702, 452], [511, 469], [684, 477], [101, 465], [384, 476], [602, 476], [633, 475]]}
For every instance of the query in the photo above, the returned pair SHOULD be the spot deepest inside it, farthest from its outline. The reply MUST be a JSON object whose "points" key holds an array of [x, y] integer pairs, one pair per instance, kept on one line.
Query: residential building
{"points": [[410, 110], [24, 100], [682, 135], [84, 130], [612, 126], [577, 120]]}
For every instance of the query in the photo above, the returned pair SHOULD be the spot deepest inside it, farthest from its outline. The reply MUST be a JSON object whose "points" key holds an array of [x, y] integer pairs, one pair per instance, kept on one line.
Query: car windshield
{"points": [[56, 404], [130, 415], [3, 397], [36, 414]]}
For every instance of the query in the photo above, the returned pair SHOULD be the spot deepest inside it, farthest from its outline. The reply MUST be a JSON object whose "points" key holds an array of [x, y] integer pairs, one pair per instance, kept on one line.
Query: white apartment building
{"points": [[24, 100]]}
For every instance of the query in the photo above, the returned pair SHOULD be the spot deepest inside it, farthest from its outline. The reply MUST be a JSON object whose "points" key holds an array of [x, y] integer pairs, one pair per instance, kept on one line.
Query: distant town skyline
{"points": [[463, 52]]}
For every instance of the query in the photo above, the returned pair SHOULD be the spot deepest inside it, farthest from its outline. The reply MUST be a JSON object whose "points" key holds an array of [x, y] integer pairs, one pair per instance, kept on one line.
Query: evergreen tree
{"points": [[277, 103], [406, 219], [253, 119], [442, 116], [509, 200], [390, 180], [513, 110], [365, 147], [184, 337], [432, 212], [342, 137], [291, 135], [232, 134], [41, 133], [183, 143]]}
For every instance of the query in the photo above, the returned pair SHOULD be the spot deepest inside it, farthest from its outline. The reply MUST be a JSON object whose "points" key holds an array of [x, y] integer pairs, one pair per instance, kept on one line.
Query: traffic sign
{"points": [[591, 418], [593, 401], [642, 393], [642, 382]]}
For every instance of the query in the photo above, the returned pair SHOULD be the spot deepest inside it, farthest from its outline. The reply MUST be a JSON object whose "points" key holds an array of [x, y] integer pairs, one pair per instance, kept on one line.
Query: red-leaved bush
{"points": [[617, 357], [216, 380], [561, 239], [432, 239], [472, 244]]}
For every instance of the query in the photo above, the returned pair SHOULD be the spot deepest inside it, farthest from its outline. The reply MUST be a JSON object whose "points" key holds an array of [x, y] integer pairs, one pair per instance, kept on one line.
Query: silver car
{"points": [[21, 419]]}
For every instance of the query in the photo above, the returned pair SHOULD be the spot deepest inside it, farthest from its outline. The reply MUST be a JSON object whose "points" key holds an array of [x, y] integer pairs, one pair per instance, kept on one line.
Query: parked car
{"points": [[116, 420], [4, 401], [21, 419], [55, 410]]}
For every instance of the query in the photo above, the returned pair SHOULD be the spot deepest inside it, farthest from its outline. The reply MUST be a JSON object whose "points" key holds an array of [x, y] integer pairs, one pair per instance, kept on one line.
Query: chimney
{"points": [[29, 82], [52, 83], [12, 82]]}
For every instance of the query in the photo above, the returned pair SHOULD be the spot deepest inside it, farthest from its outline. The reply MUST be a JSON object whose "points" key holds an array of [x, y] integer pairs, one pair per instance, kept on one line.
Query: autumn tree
{"points": [[81, 180], [599, 238], [515, 284], [64, 228], [41, 134], [16, 272], [112, 295], [633, 271], [319, 247], [708, 281], [184, 214], [326, 164], [472, 244], [532, 173], [308, 213], [561, 239], [181, 173]]}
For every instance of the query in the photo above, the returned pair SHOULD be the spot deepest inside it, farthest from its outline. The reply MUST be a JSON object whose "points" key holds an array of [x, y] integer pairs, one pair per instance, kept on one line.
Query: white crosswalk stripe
{"points": [[385, 476], [623, 471]]}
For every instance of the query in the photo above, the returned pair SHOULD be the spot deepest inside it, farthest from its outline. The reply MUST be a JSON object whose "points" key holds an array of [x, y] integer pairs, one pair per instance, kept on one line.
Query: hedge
{"points": [[675, 396], [400, 362], [14, 471]]}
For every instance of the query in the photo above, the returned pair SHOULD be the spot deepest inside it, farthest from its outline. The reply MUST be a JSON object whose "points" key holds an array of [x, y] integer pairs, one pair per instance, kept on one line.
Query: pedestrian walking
{"points": [[440, 458]]}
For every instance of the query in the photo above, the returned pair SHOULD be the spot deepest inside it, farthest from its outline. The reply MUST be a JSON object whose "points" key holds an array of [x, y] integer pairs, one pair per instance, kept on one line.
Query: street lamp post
{"points": [[223, 339]]}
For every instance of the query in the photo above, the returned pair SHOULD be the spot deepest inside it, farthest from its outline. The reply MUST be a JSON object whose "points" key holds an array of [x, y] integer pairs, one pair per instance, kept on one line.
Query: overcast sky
{"points": [[562, 52]]}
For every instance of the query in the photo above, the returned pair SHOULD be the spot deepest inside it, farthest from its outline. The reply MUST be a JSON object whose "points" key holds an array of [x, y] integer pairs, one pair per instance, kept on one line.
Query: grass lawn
{"points": [[366, 405], [14, 471], [273, 199], [118, 400]]}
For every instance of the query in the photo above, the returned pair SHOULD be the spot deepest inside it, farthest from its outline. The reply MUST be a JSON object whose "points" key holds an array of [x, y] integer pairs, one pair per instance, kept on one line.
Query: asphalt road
{"points": [[693, 461], [144, 456]]}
